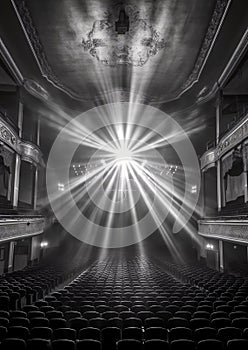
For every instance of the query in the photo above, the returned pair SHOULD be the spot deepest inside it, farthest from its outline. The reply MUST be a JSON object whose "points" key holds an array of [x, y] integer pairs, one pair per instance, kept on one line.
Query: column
{"points": [[203, 193], [35, 188], [10, 266], [221, 256], [9, 187], [218, 116], [36, 174], [18, 160], [244, 146]]}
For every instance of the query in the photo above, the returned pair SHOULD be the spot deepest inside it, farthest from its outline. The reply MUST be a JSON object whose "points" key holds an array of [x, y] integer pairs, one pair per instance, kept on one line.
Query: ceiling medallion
{"points": [[122, 37]]}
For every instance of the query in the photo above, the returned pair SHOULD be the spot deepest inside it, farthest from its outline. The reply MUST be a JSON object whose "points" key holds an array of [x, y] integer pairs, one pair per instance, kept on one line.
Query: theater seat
{"points": [[237, 344], [41, 332], [241, 322], [184, 344], [210, 344], [63, 344], [156, 333], [132, 333], [110, 335], [3, 332], [156, 344], [13, 343], [90, 333], [18, 332], [88, 344], [128, 344], [205, 333], [228, 333], [38, 344], [64, 333], [180, 333]]}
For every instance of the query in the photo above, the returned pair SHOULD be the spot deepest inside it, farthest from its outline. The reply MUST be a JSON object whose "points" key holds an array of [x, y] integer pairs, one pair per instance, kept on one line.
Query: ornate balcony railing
{"points": [[235, 230], [27, 150], [228, 141], [20, 227]]}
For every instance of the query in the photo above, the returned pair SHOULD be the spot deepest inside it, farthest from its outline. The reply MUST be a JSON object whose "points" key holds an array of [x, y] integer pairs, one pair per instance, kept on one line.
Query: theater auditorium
{"points": [[123, 174]]}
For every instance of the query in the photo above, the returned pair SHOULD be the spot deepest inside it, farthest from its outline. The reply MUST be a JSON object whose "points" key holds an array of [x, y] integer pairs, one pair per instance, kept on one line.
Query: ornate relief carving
{"points": [[27, 150], [153, 46], [7, 136], [208, 159], [30, 152], [236, 230], [134, 47], [233, 137], [14, 228], [214, 23], [35, 89], [228, 142]]}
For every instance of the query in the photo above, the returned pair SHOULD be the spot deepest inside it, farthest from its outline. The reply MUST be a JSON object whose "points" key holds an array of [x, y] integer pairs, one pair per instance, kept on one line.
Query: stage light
{"points": [[123, 155], [125, 152], [61, 187], [194, 189], [210, 246]]}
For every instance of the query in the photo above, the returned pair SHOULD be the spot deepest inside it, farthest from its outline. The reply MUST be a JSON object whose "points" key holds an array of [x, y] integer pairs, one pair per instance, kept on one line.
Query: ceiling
{"points": [[238, 84], [71, 53], [162, 54], [59, 31]]}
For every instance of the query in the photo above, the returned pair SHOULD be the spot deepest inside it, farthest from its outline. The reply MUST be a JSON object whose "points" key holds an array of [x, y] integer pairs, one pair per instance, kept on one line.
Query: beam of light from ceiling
{"points": [[124, 150]]}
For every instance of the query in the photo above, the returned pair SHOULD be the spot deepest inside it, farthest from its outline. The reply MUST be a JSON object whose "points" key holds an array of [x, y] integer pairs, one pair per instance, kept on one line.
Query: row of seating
{"points": [[66, 344], [223, 334], [26, 286], [136, 300], [142, 320]]}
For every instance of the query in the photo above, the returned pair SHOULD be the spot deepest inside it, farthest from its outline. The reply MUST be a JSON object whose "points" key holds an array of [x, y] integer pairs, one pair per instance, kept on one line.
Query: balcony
{"points": [[14, 227], [225, 228]]}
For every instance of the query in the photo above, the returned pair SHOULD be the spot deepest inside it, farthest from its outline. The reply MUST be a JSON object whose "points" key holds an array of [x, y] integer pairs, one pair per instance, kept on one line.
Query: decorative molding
{"points": [[208, 159], [31, 33], [216, 22], [229, 141], [36, 89], [27, 150], [124, 51], [229, 229], [37, 49], [14, 228], [226, 74], [7, 135], [30, 153], [235, 136], [10, 63]]}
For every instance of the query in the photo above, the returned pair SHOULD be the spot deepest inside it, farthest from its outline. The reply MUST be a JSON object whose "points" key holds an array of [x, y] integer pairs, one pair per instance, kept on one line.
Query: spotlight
{"points": [[210, 246], [123, 155], [194, 189], [61, 187]]}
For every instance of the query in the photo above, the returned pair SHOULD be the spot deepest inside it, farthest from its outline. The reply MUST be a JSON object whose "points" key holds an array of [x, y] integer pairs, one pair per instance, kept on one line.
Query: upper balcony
{"points": [[9, 135], [236, 133]]}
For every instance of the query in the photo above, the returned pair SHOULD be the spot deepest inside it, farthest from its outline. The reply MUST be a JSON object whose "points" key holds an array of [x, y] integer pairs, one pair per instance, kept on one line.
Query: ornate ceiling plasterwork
{"points": [[135, 46], [154, 45]]}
